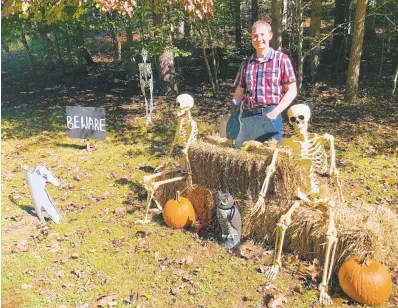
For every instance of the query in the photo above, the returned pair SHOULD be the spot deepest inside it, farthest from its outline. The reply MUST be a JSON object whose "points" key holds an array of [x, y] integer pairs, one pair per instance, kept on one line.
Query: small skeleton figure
{"points": [[186, 134], [229, 219], [309, 152], [146, 81]]}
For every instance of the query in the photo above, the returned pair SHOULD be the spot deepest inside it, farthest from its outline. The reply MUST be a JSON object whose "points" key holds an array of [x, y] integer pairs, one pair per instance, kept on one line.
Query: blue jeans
{"points": [[277, 122]]}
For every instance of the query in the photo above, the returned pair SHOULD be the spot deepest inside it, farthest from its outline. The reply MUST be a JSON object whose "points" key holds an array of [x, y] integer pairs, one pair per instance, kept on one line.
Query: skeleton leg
{"points": [[283, 224], [189, 171], [331, 245], [151, 188]]}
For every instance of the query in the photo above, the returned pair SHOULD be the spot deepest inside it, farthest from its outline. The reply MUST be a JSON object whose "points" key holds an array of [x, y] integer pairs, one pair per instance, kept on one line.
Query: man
{"points": [[262, 80]]}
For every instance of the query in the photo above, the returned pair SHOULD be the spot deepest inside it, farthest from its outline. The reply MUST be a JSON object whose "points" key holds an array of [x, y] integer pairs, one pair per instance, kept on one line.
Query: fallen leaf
{"points": [[106, 301], [339, 300], [29, 271], [63, 258], [252, 252], [120, 212], [277, 301], [26, 286]]}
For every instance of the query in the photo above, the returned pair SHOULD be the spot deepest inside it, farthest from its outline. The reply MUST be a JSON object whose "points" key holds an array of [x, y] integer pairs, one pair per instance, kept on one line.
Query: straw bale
{"points": [[362, 229]]}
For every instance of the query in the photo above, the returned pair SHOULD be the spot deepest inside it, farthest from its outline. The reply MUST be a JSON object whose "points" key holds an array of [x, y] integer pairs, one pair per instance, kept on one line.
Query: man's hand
{"points": [[271, 115]]}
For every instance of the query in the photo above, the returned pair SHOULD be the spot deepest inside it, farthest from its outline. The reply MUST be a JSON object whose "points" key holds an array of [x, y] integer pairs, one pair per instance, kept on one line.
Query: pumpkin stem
{"points": [[364, 259], [177, 197]]}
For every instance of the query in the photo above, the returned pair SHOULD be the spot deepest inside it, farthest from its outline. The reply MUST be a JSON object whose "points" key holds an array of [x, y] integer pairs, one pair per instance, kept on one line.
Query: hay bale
{"points": [[362, 230]]}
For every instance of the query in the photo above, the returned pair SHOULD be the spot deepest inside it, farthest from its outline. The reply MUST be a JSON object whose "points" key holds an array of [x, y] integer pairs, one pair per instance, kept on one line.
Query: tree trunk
{"points": [[213, 55], [117, 46], [83, 54], [213, 86], [277, 24], [238, 26], [314, 32], [338, 37], [168, 78], [47, 46], [254, 11], [285, 14], [356, 51], [27, 51], [131, 65], [300, 28], [58, 49]]}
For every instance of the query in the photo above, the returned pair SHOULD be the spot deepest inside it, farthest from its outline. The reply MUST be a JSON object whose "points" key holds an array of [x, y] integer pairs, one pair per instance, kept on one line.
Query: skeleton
{"points": [[146, 81], [309, 152], [186, 134]]}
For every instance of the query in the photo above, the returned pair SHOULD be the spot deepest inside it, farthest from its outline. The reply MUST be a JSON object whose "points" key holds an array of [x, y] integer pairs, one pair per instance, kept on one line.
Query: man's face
{"points": [[261, 37]]}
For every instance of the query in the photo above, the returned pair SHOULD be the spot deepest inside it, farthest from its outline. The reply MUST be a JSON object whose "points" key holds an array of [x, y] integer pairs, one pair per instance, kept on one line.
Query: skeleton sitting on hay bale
{"points": [[363, 229], [185, 135]]}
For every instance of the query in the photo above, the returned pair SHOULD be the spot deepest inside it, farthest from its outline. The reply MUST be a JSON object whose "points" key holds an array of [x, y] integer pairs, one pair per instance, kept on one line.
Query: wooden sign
{"points": [[85, 122]]}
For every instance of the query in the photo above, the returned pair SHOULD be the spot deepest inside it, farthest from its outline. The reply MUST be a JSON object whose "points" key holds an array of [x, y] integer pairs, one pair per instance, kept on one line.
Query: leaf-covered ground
{"points": [[98, 256]]}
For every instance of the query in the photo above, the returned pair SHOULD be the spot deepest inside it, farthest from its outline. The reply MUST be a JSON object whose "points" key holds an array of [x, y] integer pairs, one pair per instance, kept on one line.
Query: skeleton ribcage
{"points": [[317, 154]]}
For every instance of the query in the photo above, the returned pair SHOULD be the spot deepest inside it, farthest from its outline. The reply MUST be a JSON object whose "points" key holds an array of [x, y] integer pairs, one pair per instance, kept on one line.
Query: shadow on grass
{"points": [[136, 187], [73, 146]]}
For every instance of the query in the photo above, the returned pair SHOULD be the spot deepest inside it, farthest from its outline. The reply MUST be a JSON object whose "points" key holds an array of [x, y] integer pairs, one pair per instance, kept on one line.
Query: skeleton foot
{"points": [[271, 272], [324, 298], [142, 221]]}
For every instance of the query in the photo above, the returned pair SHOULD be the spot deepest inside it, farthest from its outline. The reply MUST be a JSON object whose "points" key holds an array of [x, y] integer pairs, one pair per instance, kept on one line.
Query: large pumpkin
{"points": [[365, 280], [178, 213]]}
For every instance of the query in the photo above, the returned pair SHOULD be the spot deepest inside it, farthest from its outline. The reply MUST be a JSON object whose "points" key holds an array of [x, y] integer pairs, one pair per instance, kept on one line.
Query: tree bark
{"points": [[338, 37], [315, 29], [277, 24], [27, 51], [131, 65], [213, 55], [238, 26], [254, 11], [300, 28], [83, 55], [168, 78], [356, 51], [47, 46], [213, 86]]}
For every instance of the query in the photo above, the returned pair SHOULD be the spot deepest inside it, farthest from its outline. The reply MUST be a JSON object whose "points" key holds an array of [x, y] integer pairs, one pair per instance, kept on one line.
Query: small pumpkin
{"points": [[178, 213], [365, 280]]}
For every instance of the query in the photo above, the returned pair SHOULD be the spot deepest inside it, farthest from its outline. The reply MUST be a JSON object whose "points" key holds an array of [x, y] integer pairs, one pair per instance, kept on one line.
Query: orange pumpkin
{"points": [[179, 213], [365, 280]]}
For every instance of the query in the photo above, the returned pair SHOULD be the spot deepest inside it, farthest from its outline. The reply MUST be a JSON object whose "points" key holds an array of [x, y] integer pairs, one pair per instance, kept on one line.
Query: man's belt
{"points": [[248, 128]]}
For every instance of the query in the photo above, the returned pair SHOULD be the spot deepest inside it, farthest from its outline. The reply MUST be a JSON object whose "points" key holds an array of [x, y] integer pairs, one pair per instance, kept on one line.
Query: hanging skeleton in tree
{"points": [[185, 135], [146, 81], [308, 150]]}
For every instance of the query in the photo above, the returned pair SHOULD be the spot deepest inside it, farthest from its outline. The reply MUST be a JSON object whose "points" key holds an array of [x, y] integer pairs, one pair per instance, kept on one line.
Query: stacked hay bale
{"points": [[360, 230]]}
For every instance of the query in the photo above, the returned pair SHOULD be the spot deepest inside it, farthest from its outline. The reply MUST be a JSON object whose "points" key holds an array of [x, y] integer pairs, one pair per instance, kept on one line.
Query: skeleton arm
{"points": [[192, 136], [260, 205], [333, 170]]}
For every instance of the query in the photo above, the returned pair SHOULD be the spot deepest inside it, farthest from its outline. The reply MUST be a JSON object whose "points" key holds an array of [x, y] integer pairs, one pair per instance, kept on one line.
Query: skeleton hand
{"points": [[333, 171], [271, 272], [324, 298]]}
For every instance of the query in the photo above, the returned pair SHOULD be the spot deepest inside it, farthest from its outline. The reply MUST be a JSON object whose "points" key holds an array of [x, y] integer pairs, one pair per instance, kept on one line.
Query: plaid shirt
{"points": [[264, 80]]}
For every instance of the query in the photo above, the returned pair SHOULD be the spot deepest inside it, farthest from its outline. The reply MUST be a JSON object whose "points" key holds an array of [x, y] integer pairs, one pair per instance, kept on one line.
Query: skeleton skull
{"points": [[299, 115], [186, 103]]}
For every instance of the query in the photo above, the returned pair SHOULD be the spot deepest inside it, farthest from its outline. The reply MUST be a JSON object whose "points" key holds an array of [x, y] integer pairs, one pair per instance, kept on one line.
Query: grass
{"points": [[96, 252]]}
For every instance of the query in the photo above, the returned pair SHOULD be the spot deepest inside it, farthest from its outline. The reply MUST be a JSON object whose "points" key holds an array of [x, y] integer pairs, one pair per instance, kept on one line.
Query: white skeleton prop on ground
{"points": [[146, 80], [309, 152], [41, 199], [185, 135]]}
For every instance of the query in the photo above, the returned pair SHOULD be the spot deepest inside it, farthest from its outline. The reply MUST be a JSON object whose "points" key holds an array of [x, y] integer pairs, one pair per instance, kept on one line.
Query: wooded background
{"points": [[351, 42]]}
